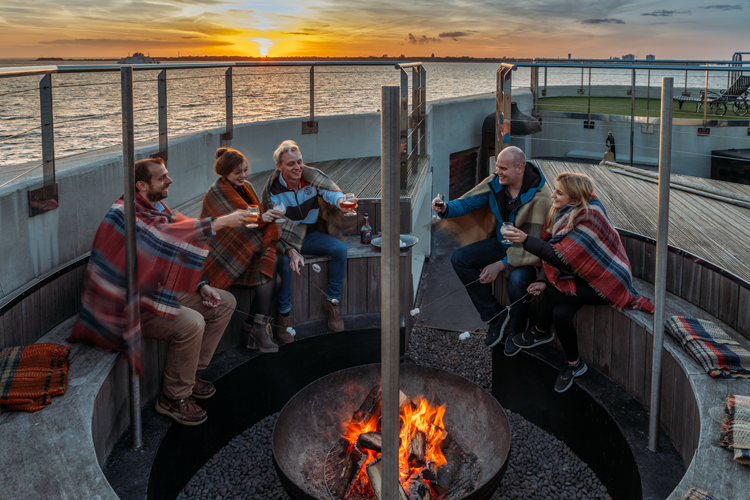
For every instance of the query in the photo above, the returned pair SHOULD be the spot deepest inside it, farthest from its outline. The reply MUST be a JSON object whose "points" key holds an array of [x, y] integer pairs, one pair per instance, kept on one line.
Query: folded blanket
{"points": [[696, 494], [710, 346], [30, 375], [735, 430]]}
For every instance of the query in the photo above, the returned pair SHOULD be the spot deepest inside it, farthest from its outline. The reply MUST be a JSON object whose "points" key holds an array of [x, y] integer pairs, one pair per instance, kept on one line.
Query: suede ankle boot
{"points": [[263, 335]]}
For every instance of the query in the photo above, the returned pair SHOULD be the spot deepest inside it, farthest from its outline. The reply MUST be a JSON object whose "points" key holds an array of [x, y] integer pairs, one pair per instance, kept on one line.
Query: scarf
{"points": [[330, 219], [240, 255], [591, 247], [170, 258]]}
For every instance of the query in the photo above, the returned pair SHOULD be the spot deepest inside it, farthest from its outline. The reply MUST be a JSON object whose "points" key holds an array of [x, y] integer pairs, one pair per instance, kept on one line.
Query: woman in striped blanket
{"points": [[244, 256], [584, 263]]}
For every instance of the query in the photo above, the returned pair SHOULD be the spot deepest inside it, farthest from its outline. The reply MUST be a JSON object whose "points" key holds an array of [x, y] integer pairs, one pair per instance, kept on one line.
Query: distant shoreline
{"points": [[275, 59]]}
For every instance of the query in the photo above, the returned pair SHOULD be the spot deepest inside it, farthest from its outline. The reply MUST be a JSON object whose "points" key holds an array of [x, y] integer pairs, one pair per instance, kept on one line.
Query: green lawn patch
{"points": [[621, 106]]}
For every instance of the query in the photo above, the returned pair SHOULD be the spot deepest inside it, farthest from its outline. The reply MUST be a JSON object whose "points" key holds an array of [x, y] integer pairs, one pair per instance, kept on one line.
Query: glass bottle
{"points": [[365, 234]]}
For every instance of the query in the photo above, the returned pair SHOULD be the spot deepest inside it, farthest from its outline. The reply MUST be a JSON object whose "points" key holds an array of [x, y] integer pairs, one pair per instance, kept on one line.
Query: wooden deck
{"points": [[710, 229]]}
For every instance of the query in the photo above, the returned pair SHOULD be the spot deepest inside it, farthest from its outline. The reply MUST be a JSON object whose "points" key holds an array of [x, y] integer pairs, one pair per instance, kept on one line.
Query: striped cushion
{"points": [[30, 375], [696, 494], [735, 430]]}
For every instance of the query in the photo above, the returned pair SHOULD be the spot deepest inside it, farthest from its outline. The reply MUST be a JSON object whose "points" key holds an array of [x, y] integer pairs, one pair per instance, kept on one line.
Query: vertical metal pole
{"points": [[312, 94], [632, 117], [581, 77], [589, 95], [48, 136], [389, 331], [502, 108], [648, 95], [423, 112], [535, 90], [163, 137], [545, 80], [404, 129], [131, 292], [226, 137], [416, 109], [660, 286], [705, 100]]}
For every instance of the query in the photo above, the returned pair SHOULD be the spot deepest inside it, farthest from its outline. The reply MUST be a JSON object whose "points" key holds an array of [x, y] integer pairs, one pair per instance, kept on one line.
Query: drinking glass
{"points": [[503, 229], [281, 208], [439, 202], [253, 214], [349, 202]]}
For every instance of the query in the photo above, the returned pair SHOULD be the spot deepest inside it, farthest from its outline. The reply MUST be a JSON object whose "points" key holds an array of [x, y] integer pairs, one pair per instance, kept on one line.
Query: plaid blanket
{"points": [[170, 258], [241, 255], [709, 345], [30, 375], [330, 220], [593, 249], [735, 430], [480, 223], [696, 494]]}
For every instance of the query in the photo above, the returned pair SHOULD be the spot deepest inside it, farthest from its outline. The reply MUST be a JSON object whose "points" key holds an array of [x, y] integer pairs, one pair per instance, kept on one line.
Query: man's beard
{"points": [[154, 195]]}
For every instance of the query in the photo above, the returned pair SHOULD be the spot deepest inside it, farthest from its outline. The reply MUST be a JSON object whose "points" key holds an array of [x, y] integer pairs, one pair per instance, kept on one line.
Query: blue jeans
{"points": [[320, 244], [468, 263]]}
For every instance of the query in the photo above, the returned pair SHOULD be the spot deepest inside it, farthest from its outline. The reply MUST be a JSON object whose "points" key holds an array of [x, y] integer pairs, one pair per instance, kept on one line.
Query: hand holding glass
{"points": [[439, 203], [281, 208], [253, 214], [349, 202], [504, 229]]}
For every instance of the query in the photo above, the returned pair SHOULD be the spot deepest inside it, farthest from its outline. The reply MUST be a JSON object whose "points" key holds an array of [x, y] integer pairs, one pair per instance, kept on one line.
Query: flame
{"points": [[417, 417], [427, 419]]}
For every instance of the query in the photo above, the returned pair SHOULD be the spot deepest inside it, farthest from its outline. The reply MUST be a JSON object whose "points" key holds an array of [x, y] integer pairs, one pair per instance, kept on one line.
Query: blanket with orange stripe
{"points": [[30, 375]]}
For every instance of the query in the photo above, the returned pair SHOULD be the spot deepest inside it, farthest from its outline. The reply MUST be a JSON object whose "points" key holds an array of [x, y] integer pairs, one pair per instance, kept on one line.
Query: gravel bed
{"points": [[540, 466]]}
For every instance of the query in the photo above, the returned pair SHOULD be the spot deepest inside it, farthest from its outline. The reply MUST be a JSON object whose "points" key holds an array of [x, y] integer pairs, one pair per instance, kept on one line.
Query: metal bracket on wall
{"points": [[647, 129], [226, 136], [544, 92], [588, 124], [161, 154], [41, 202], [581, 92], [704, 131], [310, 127]]}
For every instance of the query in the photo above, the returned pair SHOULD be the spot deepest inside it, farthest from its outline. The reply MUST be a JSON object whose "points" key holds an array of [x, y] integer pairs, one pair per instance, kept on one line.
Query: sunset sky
{"points": [[689, 29]]}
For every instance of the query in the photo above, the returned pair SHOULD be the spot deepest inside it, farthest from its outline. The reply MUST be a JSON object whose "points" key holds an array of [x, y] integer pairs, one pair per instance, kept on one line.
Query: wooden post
{"points": [[662, 255], [131, 292], [390, 158], [226, 137]]}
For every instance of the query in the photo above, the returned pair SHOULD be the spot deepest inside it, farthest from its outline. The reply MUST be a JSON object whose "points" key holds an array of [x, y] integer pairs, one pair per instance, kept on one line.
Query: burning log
{"points": [[441, 478], [375, 475], [370, 441], [417, 449], [369, 408], [417, 489], [351, 465]]}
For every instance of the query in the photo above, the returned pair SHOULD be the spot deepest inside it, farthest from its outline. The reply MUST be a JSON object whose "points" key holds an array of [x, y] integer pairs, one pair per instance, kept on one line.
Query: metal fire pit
{"points": [[312, 421]]}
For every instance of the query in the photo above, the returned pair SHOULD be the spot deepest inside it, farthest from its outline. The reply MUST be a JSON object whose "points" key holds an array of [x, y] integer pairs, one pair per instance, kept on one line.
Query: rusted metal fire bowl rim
{"points": [[311, 422]]}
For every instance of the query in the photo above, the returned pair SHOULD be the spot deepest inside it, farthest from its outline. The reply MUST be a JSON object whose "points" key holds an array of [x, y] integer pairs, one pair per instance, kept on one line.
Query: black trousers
{"points": [[557, 308]]}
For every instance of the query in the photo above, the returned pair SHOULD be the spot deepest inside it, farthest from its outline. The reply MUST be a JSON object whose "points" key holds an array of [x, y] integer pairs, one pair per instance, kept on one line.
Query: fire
{"points": [[415, 417], [425, 418]]}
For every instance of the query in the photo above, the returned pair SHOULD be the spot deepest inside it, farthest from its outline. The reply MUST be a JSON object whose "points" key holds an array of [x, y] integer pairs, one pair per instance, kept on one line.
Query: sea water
{"points": [[86, 106]]}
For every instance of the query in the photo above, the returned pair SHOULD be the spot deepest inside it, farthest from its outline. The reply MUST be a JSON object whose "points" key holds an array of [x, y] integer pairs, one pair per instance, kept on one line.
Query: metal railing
{"points": [[714, 101], [413, 124]]}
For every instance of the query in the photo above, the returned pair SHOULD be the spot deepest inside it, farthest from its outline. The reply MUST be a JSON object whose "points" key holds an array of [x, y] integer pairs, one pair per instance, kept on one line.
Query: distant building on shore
{"points": [[651, 57], [138, 58], [628, 57]]}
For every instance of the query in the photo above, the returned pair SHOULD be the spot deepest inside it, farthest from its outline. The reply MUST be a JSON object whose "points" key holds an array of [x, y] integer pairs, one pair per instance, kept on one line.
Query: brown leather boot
{"points": [[247, 333], [333, 313], [282, 323], [262, 333], [183, 411]]}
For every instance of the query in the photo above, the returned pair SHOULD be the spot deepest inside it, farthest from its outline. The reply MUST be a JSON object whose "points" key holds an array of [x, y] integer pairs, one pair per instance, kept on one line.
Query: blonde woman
{"points": [[584, 263]]}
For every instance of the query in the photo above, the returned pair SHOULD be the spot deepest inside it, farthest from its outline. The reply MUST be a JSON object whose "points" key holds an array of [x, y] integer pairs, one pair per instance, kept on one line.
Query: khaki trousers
{"points": [[193, 336]]}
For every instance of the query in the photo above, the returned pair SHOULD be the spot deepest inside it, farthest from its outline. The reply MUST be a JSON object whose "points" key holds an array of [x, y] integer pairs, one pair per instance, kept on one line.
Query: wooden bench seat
{"points": [[51, 453], [709, 467]]}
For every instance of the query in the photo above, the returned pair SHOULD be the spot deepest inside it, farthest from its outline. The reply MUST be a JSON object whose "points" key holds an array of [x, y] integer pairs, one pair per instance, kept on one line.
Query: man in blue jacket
{"points": [[517, 193]]}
